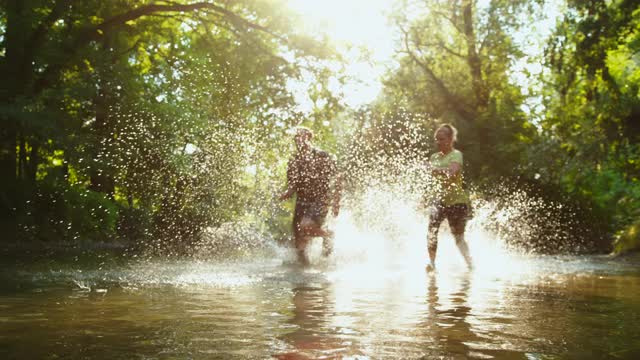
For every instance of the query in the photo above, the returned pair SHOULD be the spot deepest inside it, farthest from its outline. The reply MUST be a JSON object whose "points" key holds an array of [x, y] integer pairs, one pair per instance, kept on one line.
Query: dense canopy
{"points": [[151, 121]]}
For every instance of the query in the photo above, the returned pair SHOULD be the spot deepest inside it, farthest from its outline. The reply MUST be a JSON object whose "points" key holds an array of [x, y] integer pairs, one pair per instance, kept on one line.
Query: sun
{"points": [[354, 25]]}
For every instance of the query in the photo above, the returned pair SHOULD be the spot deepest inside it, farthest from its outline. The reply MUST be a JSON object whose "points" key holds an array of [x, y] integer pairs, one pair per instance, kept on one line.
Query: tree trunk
{"points": [[14, 78], [22, 157], [473, 59], [32, 165], [484, 148], [15, 75]]}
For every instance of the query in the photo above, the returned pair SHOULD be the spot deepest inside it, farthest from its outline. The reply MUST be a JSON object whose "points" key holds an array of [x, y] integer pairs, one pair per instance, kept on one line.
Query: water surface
{"points": [[110, 307]]}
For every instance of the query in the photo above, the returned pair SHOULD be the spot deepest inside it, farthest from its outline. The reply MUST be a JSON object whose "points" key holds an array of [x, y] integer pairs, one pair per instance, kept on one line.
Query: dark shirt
{"points": [[310, 175]]}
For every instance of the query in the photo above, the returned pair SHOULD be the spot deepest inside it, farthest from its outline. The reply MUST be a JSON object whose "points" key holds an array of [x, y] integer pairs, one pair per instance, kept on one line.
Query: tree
{"points": [[139, 101], [455, 61], [593, 105]]}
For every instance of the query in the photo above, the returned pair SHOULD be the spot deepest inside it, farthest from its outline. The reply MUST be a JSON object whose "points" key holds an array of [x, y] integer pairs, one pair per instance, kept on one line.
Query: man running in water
{"points": [[313, 177]]}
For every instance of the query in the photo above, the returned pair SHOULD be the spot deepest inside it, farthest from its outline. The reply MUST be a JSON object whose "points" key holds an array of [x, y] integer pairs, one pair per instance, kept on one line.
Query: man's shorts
{"points": [[457, 216], [314, 210]]}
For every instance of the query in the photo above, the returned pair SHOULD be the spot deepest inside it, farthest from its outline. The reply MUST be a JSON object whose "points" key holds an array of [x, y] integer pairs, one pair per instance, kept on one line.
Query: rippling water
{"points": [[508, 307]]}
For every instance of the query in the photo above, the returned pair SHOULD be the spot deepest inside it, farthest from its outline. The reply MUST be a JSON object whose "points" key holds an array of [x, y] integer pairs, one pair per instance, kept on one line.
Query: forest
{"points": [[149, 122]]}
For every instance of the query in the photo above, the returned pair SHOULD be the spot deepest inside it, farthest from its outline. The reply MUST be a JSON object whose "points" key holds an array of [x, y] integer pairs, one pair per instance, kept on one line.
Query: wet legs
{"points": [[327, 243], [464, 249], [456, 216], [307, 229], [432, 247]]}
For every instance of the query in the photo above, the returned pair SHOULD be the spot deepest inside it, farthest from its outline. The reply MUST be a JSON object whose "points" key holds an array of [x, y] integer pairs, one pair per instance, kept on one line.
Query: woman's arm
{"points": [[452, 171]]}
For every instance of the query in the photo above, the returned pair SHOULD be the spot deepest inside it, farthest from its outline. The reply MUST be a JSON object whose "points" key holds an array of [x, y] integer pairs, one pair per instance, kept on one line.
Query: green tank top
{"points": [[451, 192]]}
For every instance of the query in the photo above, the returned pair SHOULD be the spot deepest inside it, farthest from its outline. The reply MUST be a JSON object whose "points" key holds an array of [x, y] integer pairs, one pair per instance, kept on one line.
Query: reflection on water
{"points": [[372, 300], [569, 307], [311, 334]]}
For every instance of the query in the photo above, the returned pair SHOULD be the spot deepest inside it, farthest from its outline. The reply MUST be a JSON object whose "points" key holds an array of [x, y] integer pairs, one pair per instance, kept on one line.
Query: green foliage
{"points": [[628, 239], [154, 123], [155, 111], [591, 122], [57, 211], [455, 61]]}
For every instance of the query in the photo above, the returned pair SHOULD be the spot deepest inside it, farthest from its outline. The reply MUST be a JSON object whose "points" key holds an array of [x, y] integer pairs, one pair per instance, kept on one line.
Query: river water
{"points": [[98, 305]]}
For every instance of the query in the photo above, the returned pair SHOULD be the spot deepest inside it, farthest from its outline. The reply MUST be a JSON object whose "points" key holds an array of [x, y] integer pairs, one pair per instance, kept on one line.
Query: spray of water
{"points": [[382, 227]]}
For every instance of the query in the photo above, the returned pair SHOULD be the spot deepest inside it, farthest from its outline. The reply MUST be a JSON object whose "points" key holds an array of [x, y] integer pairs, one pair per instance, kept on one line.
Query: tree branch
{"points": [[130, 49], [452, 21], [454, 101], [483, 43], [449, 50], [151, 9], [96, 32], [440, 44], [240, 36], [38, 35]]}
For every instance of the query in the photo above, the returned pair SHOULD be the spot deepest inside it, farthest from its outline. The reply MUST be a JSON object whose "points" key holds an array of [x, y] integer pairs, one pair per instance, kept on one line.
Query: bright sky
{"points": [[362, 23], [532, 41]]}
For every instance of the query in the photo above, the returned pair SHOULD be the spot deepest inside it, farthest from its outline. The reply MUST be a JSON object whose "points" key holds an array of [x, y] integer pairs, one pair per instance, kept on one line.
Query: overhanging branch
{"points": [[454, 101], [38, 35], [151, 9], [98, 31]]}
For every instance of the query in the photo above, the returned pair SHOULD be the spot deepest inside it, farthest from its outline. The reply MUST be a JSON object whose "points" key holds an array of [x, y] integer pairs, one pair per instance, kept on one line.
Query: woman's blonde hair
{"points": [[450, 128]]}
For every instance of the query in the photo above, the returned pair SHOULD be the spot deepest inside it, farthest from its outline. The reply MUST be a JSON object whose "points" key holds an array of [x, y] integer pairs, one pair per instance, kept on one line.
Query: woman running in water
{"points": [[453, 202]]}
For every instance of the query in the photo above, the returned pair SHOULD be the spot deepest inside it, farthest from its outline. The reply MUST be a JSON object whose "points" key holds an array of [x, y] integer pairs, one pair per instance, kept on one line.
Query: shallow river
{"points": [[100, 306]]}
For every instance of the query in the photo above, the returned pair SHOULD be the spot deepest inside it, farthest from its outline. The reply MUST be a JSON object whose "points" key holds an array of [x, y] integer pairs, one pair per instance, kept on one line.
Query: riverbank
{"points": [[628, 240]]}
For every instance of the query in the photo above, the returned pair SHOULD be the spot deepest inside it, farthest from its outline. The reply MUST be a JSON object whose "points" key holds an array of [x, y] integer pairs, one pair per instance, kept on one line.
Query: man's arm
{"points": [[288, 193]]}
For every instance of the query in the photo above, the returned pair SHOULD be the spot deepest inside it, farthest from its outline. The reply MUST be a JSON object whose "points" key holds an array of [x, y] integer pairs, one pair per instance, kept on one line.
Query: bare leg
{"points": [[301, 242], [435, 219], [327, 244], [432, 247], [464, 249], [308, 229], [316, 231]]}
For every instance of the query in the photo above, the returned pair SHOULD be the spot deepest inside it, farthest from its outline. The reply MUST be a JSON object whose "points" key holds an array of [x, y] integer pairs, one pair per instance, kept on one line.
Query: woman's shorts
{"points": [[456, 214]]}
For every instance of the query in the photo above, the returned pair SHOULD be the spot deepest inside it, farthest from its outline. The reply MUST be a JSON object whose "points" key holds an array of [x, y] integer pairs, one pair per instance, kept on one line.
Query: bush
{"points": [[627, 240], [60, 212]]}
